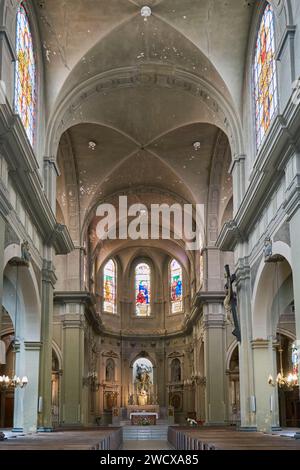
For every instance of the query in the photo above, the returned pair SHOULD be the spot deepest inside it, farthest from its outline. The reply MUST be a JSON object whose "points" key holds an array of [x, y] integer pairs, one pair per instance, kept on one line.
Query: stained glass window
{"points": [[176, 286], [143, 290], [265, 80], [25, 74], [109, 287], [295, 362]]}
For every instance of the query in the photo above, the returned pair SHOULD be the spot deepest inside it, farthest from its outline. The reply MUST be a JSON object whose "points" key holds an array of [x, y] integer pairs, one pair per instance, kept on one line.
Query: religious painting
{"points": [[176, 287], [109, 287], [265, 80], [143, 290], [25, 74], [110, 400], [175, 371], [176, 401]]}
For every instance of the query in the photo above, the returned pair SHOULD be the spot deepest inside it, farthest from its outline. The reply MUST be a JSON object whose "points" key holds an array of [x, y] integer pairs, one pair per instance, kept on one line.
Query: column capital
{"points": [[32, 345], [48, 273], [51, 162], [236, 159], [260, 343], [73, 321]]}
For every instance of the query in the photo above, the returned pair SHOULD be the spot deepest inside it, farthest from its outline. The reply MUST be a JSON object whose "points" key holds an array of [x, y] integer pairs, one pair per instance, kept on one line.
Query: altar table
{"points": [[143, 419]]}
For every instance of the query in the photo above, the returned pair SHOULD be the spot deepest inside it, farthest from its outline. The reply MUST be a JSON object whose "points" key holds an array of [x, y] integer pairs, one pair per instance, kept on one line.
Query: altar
{"points": [[152, 409], [143, 418]]}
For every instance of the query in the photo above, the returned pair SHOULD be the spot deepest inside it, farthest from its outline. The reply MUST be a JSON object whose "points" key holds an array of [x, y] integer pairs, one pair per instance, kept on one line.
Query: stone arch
{"points": [[220, 110], [21, 299], [230, 352], [264, 290]]}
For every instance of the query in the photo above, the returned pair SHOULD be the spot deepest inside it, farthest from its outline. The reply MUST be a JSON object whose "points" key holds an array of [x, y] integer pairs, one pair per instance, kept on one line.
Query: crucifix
{"points": [[230, 302]]}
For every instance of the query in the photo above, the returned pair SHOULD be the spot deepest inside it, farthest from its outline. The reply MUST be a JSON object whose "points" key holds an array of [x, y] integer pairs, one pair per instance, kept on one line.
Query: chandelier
{"points": [[7, 383], [291, 380]]}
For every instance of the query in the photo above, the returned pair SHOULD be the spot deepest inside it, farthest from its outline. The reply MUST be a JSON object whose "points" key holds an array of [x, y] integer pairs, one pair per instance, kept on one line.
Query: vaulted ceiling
{"points": [[131, 87]]}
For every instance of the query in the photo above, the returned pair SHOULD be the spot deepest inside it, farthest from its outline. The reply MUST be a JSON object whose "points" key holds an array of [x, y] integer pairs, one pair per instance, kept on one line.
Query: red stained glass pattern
{"points": [[265, 80], [25, 75]]}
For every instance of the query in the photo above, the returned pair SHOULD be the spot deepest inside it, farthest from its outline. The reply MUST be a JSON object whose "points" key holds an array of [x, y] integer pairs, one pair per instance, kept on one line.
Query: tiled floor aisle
{"points": [[146, 445]]}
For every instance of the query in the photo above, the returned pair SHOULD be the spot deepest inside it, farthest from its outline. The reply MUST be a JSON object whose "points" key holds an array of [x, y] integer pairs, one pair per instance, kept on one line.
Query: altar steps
{"points": [[145, 433]]}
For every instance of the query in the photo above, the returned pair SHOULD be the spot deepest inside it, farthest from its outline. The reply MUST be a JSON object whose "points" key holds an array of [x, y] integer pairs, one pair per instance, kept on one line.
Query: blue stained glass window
{"points": [[143, 290], [176, 287]]}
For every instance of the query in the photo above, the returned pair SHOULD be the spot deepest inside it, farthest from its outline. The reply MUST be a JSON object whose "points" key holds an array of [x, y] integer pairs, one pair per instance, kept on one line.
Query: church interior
{"points": [[167, 104]]}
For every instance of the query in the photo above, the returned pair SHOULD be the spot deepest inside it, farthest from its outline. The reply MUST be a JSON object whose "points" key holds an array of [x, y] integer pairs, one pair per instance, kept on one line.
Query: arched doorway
{"points": [[7, 368], [21, 299], [288, 368], [55, 390], [273, 295], [233, 372]]}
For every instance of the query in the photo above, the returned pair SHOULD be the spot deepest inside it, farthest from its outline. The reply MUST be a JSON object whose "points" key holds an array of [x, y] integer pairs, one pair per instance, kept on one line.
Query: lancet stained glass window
{"points": [[109, 287], [143, 290], [176, 286], [265, 80], [25, 74]]}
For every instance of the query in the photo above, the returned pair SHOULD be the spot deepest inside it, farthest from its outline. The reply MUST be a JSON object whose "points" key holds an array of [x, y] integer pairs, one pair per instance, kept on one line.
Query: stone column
{"points": [[247, 398], [73, 365], [26, 399], [214, 340], [30, 403], [48, 282], [266, 396]]}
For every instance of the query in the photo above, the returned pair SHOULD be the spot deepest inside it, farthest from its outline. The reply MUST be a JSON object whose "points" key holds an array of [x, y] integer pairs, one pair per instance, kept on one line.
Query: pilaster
{"points": [[248, 421], [48, 283], [73, 365], [214, 340], [265, 373]]}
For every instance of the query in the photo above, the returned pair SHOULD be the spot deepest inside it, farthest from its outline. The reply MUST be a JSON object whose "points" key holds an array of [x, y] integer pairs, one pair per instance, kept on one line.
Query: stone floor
{"points": [[146, 445]]}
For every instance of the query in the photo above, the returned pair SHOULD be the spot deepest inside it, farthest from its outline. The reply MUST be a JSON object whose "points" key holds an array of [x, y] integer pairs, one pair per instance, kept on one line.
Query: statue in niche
{"points": [[25, 253], [143, 377], [176, 371], [110, 371], [268, 249]]}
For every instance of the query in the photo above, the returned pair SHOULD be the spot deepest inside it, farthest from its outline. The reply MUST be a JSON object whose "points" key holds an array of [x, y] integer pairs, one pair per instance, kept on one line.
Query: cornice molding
{"points": [[280, 144], [289, 33], [24, 172], [5, 36], [86, 299], [5, 205]]}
